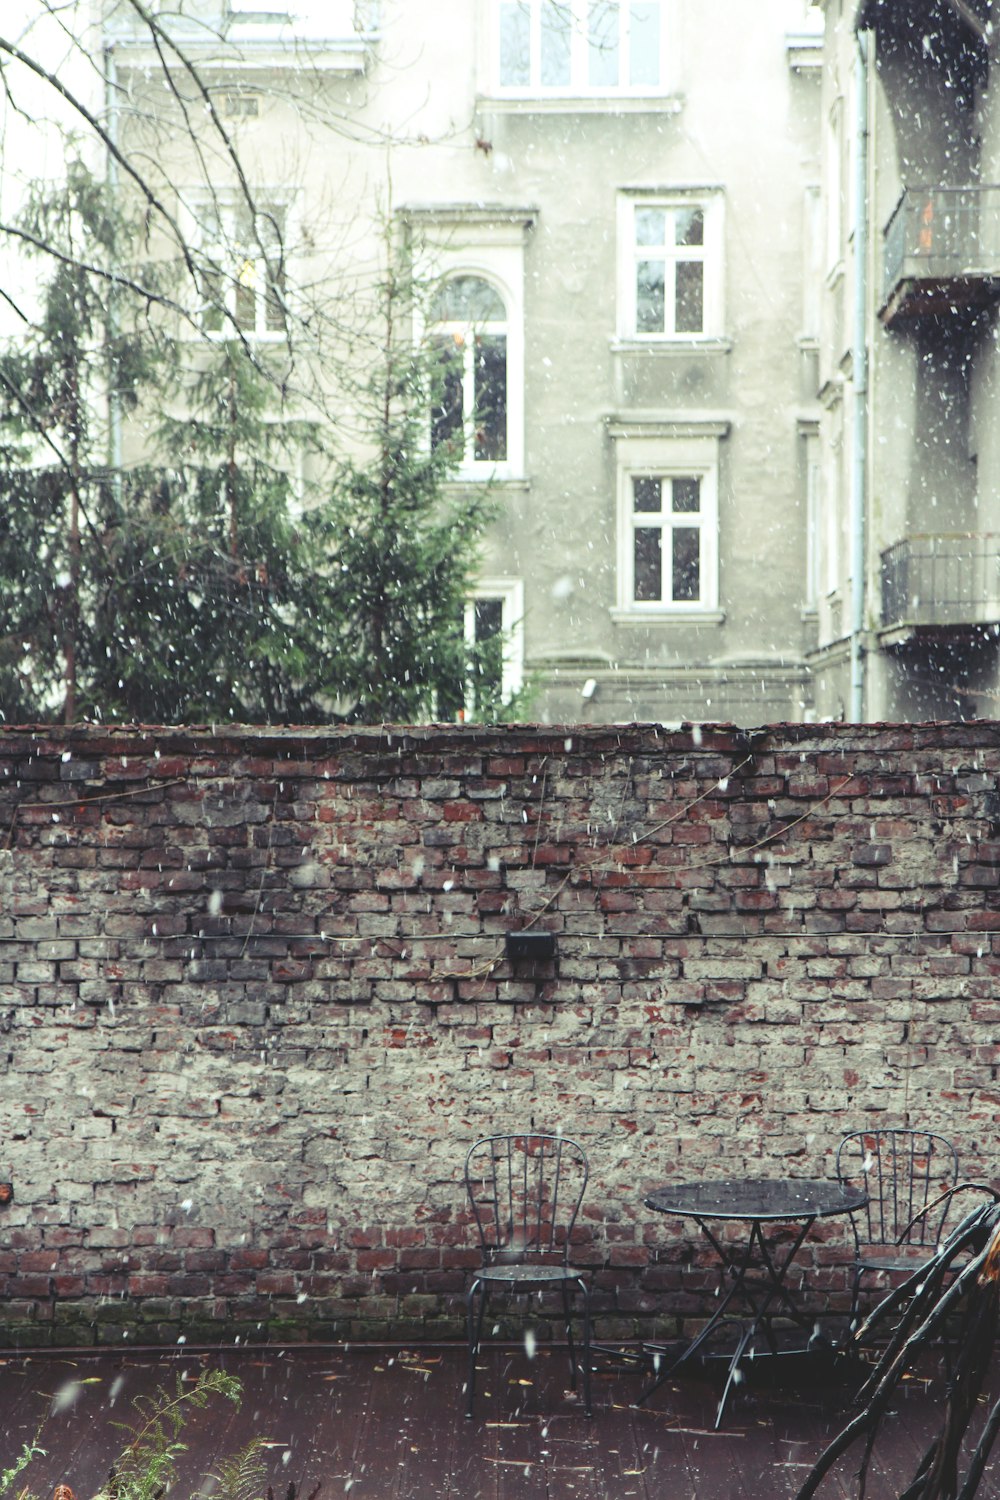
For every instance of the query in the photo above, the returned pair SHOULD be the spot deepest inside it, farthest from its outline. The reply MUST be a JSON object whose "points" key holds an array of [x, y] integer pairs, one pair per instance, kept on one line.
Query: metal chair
{"points": [[903, 1171], [526, 1192]]}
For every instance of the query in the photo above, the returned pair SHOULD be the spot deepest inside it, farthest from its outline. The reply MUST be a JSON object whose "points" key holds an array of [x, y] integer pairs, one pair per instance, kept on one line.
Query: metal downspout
{"points": [[859, 384]]}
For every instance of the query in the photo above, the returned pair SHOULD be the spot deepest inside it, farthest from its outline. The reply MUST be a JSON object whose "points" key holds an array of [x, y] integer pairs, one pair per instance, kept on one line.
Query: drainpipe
{"points": [[859, 384], [114, 395]]}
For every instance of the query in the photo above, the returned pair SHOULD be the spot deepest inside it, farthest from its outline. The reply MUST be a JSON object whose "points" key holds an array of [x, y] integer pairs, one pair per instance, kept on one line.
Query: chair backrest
{"points": [[902, 1171], [525, 1192]]}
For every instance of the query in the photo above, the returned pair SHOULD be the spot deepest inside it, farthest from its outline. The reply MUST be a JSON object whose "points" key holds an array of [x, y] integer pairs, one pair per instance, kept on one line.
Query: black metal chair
{"points": [[903, 1172], [526, 1192]]}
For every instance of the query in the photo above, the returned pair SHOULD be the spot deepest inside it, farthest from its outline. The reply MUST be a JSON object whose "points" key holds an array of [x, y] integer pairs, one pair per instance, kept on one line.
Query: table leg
{"points": [[728, 1266], [757, 1300]]}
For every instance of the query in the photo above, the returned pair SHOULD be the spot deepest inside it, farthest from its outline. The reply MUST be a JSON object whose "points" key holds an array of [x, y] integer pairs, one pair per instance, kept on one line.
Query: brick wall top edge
{"points": [[310, 742]]}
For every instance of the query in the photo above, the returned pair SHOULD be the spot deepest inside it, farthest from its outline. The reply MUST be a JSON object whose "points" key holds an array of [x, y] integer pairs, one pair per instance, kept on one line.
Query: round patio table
{"points": [[754, 1272]]}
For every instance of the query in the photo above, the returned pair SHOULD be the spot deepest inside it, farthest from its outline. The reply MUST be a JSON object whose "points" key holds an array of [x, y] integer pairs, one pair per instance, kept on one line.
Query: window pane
{"points": [[242, 223], [446, 409], [650, 226], [245, 310], [275, 299], [689, 296], [646, 493], [488, 618], [649, 296], [686, 496], [689, 226], [271, 226], [644, 44], [555, 60], [602, 35], [213, 293], [487, 664], [468, 299], [686, 571], [648, 571], [491, 397], [515, 43]]}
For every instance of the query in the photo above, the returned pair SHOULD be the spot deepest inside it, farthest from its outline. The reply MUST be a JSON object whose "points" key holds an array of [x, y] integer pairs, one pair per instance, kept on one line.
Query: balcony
{"points": [[940, 582], [941, 253]]}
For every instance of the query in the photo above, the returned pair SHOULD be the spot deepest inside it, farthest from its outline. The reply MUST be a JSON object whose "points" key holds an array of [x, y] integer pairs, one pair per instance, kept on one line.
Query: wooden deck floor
{"points": [[379, 1424]]}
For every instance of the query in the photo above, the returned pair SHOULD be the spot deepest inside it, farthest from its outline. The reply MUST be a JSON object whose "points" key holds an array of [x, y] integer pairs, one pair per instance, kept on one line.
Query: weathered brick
{"points": [[218, 1090]]}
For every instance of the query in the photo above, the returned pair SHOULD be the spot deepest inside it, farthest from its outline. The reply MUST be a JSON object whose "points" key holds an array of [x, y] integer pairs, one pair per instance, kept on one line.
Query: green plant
{"points": [[400, 536], [146, 1465], [24, 1458]]}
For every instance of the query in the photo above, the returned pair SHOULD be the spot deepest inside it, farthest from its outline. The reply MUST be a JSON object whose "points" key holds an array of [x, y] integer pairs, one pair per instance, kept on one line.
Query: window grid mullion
{"points": [[469, 395], [666, 522], [579, 20], [535, 45], [625, 45], [579, 43]]}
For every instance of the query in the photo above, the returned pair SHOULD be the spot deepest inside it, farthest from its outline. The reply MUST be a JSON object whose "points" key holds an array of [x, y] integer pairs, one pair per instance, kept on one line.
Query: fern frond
{"points": [[147, 1464], [29, 1451], [240, 1476]]}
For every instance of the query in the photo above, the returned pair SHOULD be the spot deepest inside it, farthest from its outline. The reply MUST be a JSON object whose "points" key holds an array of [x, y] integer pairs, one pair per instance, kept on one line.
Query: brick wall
{"points": [[255, 1003]]}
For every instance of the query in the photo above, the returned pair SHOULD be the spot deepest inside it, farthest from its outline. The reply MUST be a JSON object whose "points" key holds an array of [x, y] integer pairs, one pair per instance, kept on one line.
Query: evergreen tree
{"points": [[195, 586], [156, 593], [401, 543], [57, 385], [245, 565]]}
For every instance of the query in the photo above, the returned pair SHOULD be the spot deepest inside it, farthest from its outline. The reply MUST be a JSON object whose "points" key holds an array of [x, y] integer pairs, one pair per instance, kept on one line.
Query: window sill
{"points": [[497, 481], [523, 102], [805, 51], [247, 51], [667, 616], [234, 335], [707, 344]]}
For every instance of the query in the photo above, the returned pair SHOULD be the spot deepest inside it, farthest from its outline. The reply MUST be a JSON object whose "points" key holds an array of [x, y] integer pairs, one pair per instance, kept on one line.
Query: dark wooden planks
{"points": [[390, 1424], [79, 1399]]}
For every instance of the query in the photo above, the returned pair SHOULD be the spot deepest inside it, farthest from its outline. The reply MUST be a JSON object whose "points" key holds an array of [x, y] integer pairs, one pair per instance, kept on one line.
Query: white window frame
{"points": [[464, 332], [812, 261], [811, 457], [227, 204], [510, 592], [710, 254], [578, 85], [832, 490], [834, 187], [692, 454], [472, 242]]}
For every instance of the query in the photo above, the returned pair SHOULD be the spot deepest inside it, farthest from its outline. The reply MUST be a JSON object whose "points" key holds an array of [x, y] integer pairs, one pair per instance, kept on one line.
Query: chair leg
{"points": [[568, 1321], [855, 1300], [846, 1342], [474, 1326], [585, 1291]]}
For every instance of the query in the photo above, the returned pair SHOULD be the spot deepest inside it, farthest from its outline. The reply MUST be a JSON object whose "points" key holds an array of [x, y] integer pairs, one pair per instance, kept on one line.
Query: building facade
{"points": [[627, 221], [909, 616]]}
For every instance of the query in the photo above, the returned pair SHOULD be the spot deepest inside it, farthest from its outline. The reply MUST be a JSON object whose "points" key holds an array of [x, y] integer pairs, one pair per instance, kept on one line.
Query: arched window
{"points": [[469, 333]]}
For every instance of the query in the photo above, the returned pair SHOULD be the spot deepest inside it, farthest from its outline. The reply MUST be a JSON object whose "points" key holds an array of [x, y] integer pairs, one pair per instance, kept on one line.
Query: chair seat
{"points": [[527, 1274], [880, 1258]]}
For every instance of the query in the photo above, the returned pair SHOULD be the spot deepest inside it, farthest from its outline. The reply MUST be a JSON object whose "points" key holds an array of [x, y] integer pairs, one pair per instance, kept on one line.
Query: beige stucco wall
{"points": [[415, 129]]}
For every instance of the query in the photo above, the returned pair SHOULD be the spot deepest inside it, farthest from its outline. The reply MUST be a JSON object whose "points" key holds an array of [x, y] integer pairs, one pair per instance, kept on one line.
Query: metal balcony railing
{"points": [[943, 579], [943, 235]]}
